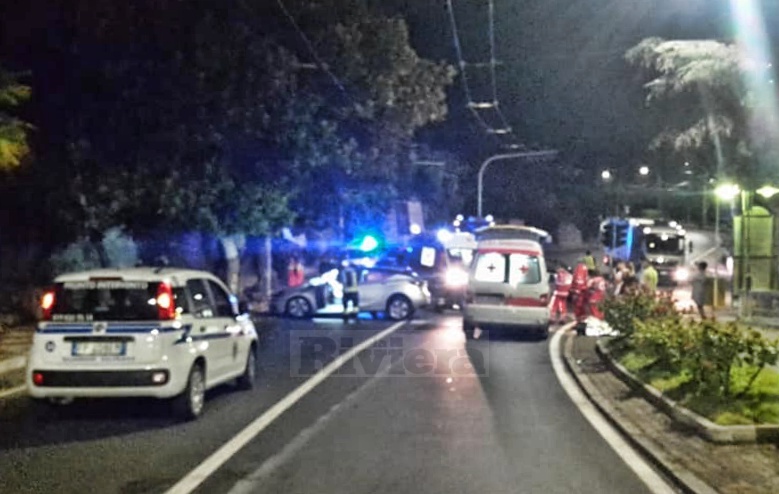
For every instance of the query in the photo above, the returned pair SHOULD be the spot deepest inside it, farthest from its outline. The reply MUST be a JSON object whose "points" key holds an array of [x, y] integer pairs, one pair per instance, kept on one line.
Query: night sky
{"points": [[564, 83]]}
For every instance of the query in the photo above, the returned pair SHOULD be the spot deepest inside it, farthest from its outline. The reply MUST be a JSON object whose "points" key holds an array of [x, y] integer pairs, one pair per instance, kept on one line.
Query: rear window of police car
{"points": [[114, 300]]}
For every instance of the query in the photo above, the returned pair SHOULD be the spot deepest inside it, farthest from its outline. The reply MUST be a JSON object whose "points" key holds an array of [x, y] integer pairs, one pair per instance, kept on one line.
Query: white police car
{"points": [[140, 332]]}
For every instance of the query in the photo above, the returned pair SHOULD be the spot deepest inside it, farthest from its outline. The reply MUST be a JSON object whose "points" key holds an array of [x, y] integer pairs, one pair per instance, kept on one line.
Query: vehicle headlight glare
{"points": [[456, 277], [681, 274]]}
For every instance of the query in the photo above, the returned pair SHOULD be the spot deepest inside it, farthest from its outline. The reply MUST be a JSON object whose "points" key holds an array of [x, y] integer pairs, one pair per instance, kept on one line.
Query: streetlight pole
{"points": [[506, 156], [727, 192]]}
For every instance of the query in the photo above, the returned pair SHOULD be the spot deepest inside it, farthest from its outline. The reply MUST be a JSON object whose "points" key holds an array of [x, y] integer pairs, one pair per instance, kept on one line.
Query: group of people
{"points": [[586, 288]]}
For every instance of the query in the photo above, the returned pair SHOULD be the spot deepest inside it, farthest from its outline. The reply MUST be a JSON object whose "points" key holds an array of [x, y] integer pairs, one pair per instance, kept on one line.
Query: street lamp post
{"points": [[606, 177], [498, 157], [727, 192]]}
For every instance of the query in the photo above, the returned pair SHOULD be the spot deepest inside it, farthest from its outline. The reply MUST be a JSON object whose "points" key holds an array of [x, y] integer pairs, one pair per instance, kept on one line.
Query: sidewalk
{"points": [[14, 345], [692, 463]]}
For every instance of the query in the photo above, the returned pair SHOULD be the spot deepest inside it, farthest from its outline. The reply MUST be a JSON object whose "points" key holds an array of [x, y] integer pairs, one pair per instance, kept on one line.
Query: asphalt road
{"points": [[422, 412]]}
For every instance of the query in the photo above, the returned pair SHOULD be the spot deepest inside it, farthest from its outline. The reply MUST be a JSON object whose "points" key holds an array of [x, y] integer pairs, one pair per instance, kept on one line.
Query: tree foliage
{"points": [[13, 131], [702, 88], [175, 116]]}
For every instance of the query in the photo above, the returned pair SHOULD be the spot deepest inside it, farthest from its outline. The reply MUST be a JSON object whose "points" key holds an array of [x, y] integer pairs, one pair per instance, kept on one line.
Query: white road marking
{"points": [[194, 478], [12, 391], [248, 484], [633, 459]]}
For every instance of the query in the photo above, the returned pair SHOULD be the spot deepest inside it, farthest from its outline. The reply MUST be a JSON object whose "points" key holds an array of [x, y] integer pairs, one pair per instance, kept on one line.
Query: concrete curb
{"points": [[715, 433], [682, 478]]}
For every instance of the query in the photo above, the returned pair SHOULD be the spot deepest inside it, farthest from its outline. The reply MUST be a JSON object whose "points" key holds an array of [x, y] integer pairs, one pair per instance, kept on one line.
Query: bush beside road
{"points": [[694, 464]]}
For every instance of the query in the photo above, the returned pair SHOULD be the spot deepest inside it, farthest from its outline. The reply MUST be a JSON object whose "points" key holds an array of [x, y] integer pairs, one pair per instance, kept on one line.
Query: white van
{"points": [[507, 287]]}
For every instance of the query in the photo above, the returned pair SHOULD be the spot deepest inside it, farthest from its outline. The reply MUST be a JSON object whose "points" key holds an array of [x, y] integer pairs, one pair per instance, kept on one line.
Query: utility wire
{"points": [[477, 107], [310, 46], [470, 104], [493, 62]]}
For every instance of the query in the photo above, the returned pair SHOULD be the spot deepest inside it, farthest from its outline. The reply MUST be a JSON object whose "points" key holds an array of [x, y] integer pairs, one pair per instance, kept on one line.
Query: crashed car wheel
{"points": [[298, 307], [399, 307]]}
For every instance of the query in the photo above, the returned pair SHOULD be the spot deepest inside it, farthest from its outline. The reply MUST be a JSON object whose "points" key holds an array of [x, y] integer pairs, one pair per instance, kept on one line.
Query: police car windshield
{"points": [[103, 301]]}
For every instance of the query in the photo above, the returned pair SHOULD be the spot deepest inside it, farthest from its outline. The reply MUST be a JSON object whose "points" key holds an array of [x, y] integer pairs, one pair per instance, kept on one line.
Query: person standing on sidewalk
{"points": [[295, 273], [620, 273], [596, 293], [589, 261], [649, 276], [579, 293], [562, 289], [698, 283]]}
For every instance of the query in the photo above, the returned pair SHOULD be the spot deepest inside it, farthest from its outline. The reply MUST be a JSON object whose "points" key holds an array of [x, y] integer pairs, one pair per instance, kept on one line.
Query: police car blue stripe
{"points": [[210, 336], [65, 330], [55, 329]]}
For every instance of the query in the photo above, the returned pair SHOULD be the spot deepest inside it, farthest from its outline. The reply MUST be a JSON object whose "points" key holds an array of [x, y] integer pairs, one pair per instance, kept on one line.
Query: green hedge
{"points": [[705, 353]]}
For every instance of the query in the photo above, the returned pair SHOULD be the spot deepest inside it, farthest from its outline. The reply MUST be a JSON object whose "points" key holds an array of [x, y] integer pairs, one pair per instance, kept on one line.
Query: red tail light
{"points": [[166, 307], [544, 298], [37, 378], [47, 304]]}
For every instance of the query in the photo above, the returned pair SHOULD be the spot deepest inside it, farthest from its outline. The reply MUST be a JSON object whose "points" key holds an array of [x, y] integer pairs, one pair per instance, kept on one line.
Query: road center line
{"points": [[199, 474], [636, 462]]}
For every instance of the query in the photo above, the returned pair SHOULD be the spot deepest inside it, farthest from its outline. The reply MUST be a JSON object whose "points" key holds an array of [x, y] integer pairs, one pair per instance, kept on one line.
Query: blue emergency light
{"points": [[369, 243]]}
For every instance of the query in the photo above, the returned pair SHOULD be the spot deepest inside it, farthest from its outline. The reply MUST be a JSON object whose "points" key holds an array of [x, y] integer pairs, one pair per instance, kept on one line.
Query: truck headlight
{"points": [[456, 277], [681, 274]]}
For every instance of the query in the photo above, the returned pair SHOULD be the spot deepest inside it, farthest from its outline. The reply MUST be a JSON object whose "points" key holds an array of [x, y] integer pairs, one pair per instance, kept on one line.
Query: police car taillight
{"points": [[37, 378], [47, 304], [166, 308]]}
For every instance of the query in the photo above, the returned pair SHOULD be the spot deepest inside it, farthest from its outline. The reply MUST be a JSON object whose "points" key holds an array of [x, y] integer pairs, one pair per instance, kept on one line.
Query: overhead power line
{"points": [[493, 62], [312, 51], [463, 68], [478, 107]]}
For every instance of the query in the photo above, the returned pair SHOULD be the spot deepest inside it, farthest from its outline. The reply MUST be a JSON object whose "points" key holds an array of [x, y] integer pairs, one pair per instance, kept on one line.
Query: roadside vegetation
{"points": [[722, 371]]}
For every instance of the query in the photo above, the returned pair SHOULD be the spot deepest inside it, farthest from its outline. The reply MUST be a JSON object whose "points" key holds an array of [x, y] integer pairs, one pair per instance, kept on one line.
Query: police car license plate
{"points": [[98, 348]]}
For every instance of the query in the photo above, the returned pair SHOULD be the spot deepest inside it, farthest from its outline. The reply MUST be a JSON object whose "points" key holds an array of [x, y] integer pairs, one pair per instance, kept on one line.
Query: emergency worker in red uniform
{"points": [[562, 289], [580, 294], [596, 288]]}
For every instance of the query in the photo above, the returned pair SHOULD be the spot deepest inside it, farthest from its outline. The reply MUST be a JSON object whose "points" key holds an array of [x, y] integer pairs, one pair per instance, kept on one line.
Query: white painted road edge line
{"points": [[199, 474], [635, 461], [12, 391]]}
